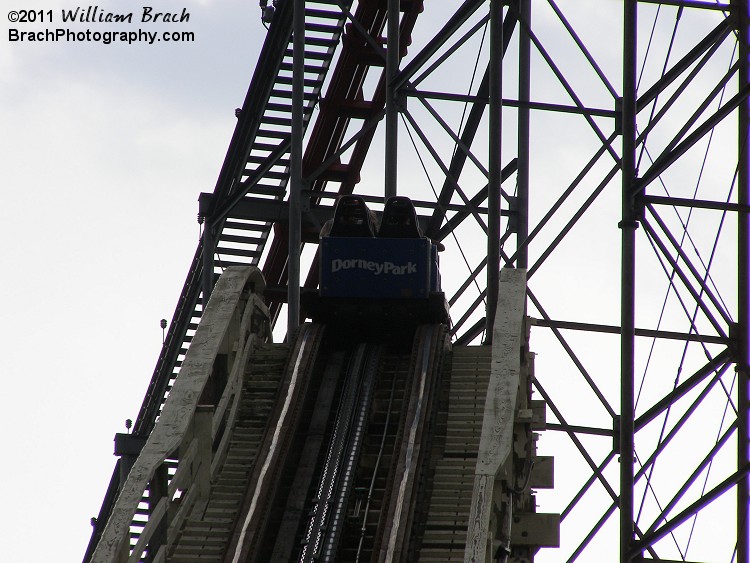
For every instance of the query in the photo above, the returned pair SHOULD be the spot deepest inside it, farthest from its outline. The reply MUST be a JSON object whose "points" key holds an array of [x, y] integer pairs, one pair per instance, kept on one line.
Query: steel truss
{"points": [[659, 129], [609, 158]]}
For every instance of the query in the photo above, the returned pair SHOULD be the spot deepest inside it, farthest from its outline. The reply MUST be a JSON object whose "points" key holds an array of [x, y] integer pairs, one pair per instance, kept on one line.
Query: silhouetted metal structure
{"points": [[602, 146]]}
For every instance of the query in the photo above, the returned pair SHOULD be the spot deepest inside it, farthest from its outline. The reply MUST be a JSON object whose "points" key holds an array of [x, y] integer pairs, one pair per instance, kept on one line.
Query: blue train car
{"points": [[375, 268], [378, 271]]}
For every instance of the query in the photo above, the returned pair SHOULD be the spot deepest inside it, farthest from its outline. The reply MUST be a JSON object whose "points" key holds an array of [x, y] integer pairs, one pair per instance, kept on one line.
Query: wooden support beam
{"points": [[496, 441]]}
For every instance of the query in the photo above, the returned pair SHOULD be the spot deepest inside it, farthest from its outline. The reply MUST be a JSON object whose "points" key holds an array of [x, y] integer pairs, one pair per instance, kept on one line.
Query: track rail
{"points": [[276, 445], [344, 453], [417, 427], [206, 529], [325, 524]]}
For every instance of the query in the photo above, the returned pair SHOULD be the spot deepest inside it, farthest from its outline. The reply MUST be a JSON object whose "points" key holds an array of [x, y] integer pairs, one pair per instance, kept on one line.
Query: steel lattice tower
{"points": [[658, 92]]}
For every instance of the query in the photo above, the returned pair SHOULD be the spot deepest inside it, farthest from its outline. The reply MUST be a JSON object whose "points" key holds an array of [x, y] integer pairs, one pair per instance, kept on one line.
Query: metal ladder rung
{"points": [[259, 227], [242, 240], [312, 69], [263, 147], [309, 82], [287, 94], [322, 28], [319, 42], [282, 121], [282, 108], [312, 55], [272, 134], [323, 14], [257, 159], [223, 250]]}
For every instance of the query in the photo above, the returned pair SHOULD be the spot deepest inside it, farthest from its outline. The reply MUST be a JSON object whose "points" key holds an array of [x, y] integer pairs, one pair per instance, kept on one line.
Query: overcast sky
{"points": [[105, 148]]}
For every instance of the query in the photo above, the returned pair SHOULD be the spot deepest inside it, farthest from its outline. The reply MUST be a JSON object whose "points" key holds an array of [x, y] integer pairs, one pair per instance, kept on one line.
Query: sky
{"points": [[105, 149]]}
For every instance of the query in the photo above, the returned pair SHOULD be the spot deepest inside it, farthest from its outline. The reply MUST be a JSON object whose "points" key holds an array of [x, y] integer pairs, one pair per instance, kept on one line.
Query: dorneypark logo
{"points": [[372, 266]]}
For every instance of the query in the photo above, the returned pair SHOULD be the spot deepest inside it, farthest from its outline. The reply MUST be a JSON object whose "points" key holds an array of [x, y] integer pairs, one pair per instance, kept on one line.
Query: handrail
{"points": [[233, 322]]}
